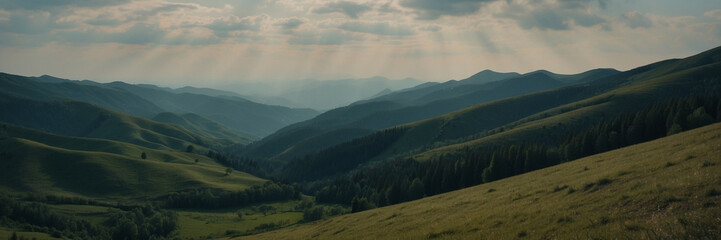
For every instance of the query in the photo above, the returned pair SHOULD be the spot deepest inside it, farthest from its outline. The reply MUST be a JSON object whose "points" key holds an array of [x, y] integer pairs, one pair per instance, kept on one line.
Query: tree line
{"points": [[406, 179], [209, 199], [139, 223], [325, 163], [243, 164]]}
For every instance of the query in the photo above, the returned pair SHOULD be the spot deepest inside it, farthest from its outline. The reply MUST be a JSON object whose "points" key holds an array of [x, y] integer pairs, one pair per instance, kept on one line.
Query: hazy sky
{"points": [[215, 42]]}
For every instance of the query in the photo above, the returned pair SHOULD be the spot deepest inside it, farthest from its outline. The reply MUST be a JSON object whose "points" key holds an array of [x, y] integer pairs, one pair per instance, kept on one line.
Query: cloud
{"points": [[350, 9], [431, 28], [30, 22], [137, 15], [169, 7], [561, 15], [636, 20], [380, 28], [433, 9], [222, 27], [105, 20], [54, 4], [713, 14], [325, 37], [136, 34], [289, 23], [576, 4], [388, 8]]}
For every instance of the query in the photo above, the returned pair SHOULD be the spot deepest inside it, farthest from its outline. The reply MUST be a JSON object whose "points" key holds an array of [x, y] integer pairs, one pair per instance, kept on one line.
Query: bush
{"points": [[314, 213], [361, 204]]}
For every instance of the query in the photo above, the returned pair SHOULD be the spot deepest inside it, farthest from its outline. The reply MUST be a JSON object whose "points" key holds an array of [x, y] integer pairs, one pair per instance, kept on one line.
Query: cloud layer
{"points": [[427, 39]]}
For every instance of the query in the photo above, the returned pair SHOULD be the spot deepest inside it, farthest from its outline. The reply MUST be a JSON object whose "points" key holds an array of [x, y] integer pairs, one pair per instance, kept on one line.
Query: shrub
{"points": [[314, 213]]}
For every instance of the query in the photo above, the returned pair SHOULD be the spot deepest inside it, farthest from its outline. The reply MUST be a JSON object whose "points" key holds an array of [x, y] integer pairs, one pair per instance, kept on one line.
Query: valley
{"points": [[600, 154]]}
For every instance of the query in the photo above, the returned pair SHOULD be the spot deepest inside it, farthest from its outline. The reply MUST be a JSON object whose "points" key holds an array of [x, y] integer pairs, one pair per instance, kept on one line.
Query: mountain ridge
{"points": [[390, 110]]}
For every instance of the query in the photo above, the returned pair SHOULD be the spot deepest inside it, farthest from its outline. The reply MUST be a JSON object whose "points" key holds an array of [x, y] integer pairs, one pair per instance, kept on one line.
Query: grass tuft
{"points": [[604, 181], [712, 192], [557, 188], [589, 186], [441, 234]]}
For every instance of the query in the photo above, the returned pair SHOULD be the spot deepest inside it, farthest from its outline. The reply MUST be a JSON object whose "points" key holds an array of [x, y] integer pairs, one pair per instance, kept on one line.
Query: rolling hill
{"points": [[39, 162], [50, 88], [203, 126], [364, 117], [80, 119], [664, 189]]}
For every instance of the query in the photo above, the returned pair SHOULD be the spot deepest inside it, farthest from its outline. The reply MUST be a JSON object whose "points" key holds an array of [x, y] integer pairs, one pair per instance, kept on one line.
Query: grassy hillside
{"points": [[666, 189], [51, 164], [206, 127], [49, 88], [73, 118]]}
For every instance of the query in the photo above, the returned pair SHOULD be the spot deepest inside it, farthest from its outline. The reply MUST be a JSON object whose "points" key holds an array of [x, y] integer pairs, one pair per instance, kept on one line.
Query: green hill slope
{"points": [[35, 167], [49, 88], [206, 127], [45, 163], [664, 189], [73, 118]]}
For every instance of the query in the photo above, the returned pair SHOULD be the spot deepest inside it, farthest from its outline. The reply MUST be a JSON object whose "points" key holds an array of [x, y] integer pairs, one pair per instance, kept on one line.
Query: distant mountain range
{"points": [[320, 95], [247, 119], [405, 106]]}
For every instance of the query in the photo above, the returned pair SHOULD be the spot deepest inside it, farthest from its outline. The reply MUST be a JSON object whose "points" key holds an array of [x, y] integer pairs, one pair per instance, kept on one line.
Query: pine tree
{"points": [[416, 189]]}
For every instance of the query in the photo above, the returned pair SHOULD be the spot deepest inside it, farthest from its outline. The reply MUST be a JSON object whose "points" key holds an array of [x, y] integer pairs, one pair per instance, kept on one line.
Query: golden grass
{"points": [[668, 188]]}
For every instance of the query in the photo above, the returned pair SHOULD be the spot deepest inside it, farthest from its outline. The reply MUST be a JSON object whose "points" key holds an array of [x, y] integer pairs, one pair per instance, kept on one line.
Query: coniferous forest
{"points": [[407, 179]]}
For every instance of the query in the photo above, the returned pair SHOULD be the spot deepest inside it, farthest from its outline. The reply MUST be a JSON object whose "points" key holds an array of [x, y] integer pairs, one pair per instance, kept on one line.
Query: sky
{"points": [[220, 42]]}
